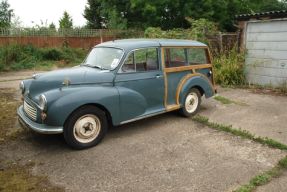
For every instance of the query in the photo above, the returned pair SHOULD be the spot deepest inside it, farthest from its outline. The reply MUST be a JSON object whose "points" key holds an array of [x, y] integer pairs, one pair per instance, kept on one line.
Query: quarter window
{"points": [[142, 60]]}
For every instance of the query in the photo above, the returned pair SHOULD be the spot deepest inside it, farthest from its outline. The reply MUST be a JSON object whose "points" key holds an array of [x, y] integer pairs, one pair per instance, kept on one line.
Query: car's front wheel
{"points": [[191, 103], [85, 128]]}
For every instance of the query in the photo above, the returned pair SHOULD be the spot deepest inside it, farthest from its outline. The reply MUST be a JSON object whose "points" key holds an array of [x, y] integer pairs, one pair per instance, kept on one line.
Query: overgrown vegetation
{"points": [[229, 67], [260, 179], [194, 33], [16, 56]]}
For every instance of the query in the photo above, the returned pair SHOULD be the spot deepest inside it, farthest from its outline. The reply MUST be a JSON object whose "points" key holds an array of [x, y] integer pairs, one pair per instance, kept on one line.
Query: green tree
{"points": [[167, 14], [92, 14], [66, 21], [5, 14], [52, 26]]}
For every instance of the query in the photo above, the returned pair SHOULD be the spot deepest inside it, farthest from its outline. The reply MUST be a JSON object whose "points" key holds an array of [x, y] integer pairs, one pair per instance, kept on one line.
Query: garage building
{"points": [[264, 37]]}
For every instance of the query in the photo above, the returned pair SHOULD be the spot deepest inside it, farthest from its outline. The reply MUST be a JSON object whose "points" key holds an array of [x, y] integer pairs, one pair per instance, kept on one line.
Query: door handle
{"points": [[159, 76]]}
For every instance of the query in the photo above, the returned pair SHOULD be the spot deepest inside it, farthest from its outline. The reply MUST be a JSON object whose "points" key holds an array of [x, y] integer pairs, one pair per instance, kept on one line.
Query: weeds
{"points": [[282, 86], [227, 101], [229, 67], [243, 133], [260, 179], [16, 56]]}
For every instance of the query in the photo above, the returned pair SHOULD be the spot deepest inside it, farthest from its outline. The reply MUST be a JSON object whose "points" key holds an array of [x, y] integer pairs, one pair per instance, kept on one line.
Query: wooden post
{"points": [[220, 39]]}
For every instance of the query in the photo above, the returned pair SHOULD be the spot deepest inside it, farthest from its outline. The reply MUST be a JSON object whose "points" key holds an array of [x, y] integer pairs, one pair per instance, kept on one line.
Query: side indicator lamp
{"points": [[44, 116]]}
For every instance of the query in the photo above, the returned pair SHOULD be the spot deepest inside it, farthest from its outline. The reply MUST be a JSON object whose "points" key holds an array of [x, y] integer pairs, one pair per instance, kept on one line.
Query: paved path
{"points": [[266, 116]]}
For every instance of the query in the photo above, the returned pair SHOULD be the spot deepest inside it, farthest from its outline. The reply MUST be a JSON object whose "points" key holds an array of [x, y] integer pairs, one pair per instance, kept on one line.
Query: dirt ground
{"points": [[165, 152]]}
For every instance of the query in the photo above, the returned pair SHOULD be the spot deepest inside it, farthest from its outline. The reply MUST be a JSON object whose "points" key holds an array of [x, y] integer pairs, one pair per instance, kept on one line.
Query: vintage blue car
{"points": [[119, 82]]}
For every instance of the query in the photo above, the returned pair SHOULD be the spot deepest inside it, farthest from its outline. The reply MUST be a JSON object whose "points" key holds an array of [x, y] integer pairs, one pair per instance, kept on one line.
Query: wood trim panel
{"points": [[185, 68], [165, 78], [184, 80], [209, 55], [172, 107]]}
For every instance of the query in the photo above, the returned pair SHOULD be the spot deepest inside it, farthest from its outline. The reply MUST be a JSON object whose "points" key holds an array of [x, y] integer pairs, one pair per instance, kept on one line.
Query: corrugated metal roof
{"points": [[265, 14]]}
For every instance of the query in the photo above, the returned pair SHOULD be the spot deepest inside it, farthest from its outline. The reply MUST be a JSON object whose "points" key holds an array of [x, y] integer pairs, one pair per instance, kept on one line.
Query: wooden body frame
{"points": [[184, 68]]}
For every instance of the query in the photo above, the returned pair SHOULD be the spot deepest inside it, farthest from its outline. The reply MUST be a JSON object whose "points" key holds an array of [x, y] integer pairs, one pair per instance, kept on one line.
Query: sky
{"points": [[51, 10]]}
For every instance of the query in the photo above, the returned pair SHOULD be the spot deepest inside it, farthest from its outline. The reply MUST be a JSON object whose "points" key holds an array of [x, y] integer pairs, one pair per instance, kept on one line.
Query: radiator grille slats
{"points": [[30, 111]]}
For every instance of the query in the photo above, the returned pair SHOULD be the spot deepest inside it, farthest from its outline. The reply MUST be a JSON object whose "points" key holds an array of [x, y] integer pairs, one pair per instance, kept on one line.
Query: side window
{"points": [[197, 56], [176, 57], [152, 59], [142, 60], [129, 64], [184, 56]]}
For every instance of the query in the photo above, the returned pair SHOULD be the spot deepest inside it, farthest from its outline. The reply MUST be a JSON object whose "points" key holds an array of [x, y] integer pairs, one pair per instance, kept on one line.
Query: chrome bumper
{"points": [[27, 123]]}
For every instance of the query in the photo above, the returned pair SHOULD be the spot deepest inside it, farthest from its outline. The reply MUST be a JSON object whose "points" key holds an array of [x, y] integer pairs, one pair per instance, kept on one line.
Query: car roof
{"points": [[130, 44]]}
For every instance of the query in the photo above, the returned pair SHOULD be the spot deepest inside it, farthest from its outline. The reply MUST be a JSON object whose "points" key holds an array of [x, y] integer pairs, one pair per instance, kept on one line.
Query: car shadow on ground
{"points": [[56, 142]]}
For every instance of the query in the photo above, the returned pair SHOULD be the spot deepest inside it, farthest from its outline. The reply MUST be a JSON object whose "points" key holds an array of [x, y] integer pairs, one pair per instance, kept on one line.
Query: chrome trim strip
{"points": [[25, 122], [154, 114]]}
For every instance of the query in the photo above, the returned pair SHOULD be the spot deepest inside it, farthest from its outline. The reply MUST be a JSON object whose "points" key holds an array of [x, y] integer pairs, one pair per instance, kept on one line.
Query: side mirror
{"points": [[66, 82]]}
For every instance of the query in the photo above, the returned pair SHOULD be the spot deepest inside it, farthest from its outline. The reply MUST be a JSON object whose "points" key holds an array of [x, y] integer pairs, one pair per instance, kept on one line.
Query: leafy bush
{"points": [[18, 56], [196, 32], [229, 67]]}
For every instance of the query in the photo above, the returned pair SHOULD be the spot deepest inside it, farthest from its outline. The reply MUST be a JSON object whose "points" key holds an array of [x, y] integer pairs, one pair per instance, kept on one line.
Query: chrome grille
{"points": [[30, 111]]}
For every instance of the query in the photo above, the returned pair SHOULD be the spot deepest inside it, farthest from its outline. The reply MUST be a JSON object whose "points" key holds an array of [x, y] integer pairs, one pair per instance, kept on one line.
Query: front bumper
{"points": [[27, 123]]}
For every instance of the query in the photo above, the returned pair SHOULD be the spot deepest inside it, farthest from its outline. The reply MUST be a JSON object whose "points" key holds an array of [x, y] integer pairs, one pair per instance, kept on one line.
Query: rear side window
{"points": [[142, 60], [178, 57], [197, 56]]}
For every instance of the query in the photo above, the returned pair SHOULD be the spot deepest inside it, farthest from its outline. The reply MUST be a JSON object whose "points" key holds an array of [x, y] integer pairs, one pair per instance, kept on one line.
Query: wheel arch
{"points": [[101, 107], [199, 82]]}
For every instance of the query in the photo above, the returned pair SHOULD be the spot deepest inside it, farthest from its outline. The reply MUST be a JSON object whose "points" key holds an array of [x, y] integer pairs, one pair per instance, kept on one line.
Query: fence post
{"points": [[101, 35], [220, 39]]}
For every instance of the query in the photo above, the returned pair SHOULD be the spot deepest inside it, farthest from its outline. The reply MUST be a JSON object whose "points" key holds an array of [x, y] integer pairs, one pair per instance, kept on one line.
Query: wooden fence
{"points": [[75, 38], [223, 41], [74, 42]]}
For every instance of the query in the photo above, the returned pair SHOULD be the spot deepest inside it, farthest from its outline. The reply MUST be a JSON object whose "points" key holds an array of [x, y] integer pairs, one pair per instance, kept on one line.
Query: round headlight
{"points": [[22, 88], [43, 102]]}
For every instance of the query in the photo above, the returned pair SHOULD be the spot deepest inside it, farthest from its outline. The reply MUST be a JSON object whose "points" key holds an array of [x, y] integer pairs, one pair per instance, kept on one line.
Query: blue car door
{"points": [[141, 85]]}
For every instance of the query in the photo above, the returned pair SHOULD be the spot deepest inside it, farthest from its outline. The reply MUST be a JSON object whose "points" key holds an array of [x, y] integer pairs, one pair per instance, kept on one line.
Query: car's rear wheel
{"points": [[85, 128], [191, 103]]}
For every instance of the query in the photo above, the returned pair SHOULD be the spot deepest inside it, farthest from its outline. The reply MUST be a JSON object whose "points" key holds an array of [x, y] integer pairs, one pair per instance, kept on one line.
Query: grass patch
{"points": [[14, 79], [17, 178], [260, 179], [227, 101], [8, 111]]}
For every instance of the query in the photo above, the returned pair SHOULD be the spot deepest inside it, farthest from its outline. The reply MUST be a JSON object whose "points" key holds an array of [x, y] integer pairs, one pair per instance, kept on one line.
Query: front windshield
{"points": [[104, 58]]}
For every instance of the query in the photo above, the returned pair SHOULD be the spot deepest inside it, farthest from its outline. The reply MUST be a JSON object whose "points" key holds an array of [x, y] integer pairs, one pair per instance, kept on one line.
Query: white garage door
{"points": [[266, 44]]}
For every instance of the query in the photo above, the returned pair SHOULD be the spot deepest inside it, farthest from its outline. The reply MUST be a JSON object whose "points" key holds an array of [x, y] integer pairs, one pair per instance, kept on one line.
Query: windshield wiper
{"points": [[100, 67], [96, 66]]}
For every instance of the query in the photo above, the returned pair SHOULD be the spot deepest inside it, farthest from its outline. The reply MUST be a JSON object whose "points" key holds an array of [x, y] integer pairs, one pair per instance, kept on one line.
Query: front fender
{"points": [[196, 81], [61, 108]]}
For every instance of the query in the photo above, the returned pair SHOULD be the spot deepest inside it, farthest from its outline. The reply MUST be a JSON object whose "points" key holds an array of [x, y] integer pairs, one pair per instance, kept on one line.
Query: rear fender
{"points": [[196, 81]]}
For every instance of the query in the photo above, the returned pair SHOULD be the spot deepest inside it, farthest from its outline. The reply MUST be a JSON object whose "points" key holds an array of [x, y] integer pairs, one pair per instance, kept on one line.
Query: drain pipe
{"points": [[239, 35]]}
